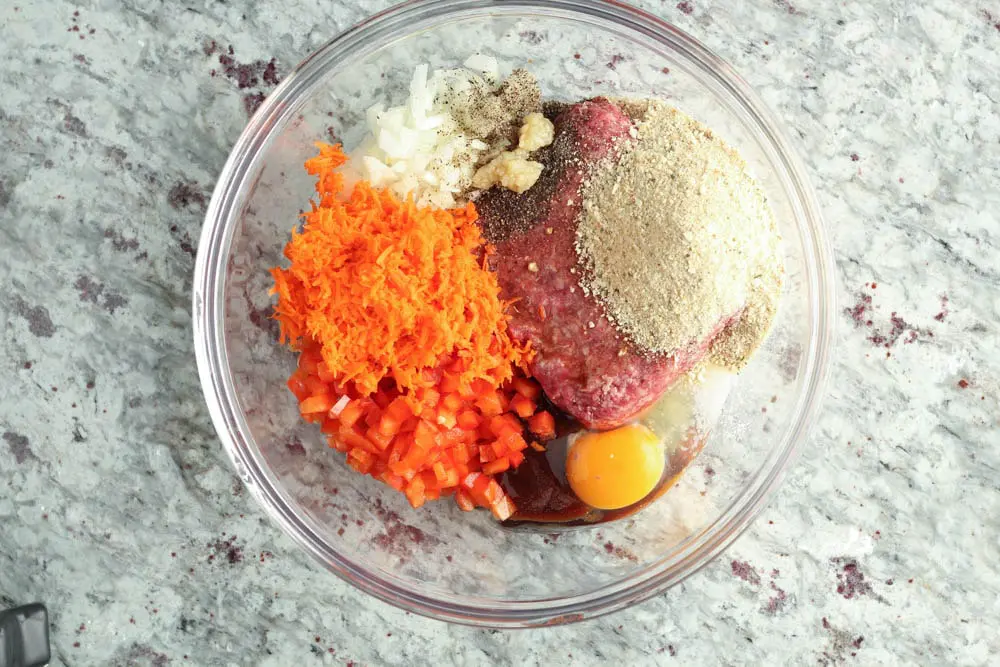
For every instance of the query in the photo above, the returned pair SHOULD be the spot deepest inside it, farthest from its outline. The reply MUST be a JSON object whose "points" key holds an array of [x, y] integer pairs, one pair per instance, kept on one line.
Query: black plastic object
{"points": [[24, 636]]}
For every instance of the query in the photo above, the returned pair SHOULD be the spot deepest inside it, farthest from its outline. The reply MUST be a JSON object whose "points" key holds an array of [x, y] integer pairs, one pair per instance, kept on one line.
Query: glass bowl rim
{"points": [[209, 311]]}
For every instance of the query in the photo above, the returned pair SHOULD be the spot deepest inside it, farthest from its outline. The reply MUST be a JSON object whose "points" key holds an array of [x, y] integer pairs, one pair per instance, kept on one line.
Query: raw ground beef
{"points": [[585, 366]]}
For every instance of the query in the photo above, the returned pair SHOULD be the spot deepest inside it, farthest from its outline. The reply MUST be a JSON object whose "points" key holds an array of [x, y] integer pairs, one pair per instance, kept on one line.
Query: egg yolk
{"points": [[614, 469]]}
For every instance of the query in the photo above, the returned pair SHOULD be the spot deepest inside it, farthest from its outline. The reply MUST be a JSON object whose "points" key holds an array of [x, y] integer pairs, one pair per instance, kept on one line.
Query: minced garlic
{"points": [[511, 169], [536, 132]]}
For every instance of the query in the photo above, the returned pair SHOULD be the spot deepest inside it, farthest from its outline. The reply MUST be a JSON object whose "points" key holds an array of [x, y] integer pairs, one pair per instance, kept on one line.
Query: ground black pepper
{"points": [[505, 213]]}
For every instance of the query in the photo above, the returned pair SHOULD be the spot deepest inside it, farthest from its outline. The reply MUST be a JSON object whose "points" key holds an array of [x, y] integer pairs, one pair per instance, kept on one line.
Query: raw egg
{"points": [[614, 469]]}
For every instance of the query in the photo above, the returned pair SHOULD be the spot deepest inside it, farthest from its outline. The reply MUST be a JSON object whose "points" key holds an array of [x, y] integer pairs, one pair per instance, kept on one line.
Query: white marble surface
{"points": [[881, 548]]}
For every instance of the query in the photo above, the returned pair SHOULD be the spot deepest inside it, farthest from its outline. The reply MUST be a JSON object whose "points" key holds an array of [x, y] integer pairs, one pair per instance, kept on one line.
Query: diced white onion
{"points": [[485, 64], [418, 148]]}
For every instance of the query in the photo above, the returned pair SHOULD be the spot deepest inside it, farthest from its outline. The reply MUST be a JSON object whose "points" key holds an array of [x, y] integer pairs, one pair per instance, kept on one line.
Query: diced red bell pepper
{"points": [[464, 501], [360, 460], [415, 491], [496, 466], [381, 441], [315, 404], [503, 509], [527, 388], [522, 405], [450, 383], [353, 412], [543, 425], [490, 404], [323, 373], [316, 386], [297, 385], [468, 420], [337, 443]]}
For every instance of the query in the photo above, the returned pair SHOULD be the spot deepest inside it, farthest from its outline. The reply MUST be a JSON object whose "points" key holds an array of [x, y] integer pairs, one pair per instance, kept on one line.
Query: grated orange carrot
{"points": [[392, 290]]}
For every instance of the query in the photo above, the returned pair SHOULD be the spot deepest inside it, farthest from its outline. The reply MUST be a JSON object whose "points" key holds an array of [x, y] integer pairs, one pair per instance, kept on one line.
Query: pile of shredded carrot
{"points": [[390, 289], [405, 360]]}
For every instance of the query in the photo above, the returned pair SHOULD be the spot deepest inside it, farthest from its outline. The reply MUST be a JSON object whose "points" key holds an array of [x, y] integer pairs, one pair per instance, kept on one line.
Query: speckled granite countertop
{"points": [[881, 548]]}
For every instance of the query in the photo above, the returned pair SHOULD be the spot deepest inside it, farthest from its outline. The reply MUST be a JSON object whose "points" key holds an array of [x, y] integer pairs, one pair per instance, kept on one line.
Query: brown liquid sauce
{"points": [[541, 492]]}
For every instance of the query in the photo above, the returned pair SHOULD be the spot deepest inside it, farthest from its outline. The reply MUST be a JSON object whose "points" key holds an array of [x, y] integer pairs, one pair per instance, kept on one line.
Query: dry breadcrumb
{"points": [[676, 236]]}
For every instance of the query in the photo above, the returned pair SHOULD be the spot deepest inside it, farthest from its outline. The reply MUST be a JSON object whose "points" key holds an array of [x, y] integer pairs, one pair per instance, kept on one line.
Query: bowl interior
{"points": [[365, 530]]}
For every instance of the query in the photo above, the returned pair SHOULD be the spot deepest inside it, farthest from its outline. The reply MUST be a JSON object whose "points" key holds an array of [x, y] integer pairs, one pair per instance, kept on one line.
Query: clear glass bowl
{"points": [[439, 561]]}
